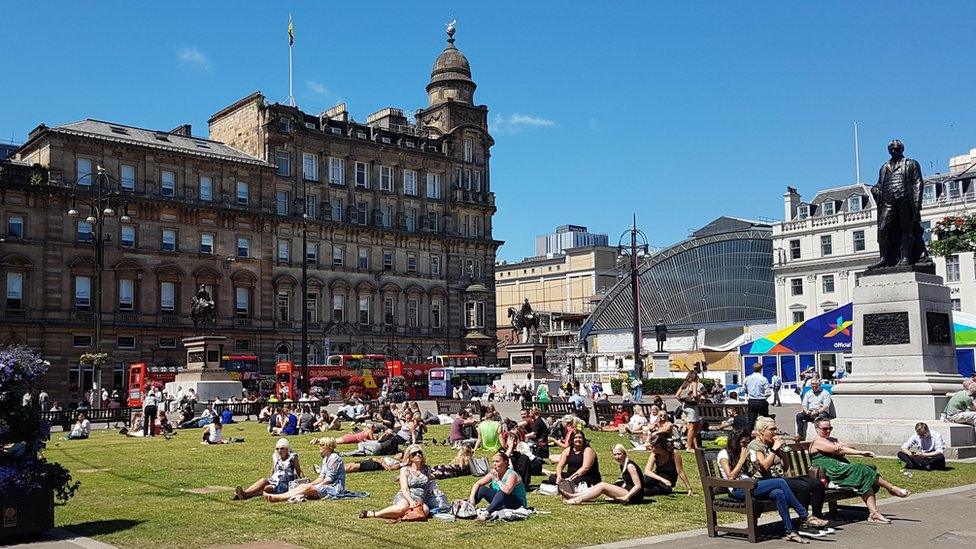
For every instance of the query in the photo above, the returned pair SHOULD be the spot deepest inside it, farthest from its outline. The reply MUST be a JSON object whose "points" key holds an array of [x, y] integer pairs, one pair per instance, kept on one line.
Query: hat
{"points": [[282, 443]]}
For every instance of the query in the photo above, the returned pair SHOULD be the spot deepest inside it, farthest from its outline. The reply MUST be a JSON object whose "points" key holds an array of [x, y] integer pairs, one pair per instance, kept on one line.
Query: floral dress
{"points": [[423, 488], [283, 471]]}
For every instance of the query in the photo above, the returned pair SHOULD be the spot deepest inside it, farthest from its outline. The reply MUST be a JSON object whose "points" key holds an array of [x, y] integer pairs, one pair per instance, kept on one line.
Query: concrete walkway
{"points": [[941, 518], [62, 539]]}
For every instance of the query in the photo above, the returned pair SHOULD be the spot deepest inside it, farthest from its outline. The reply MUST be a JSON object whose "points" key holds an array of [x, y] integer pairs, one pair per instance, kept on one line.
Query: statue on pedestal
{"points": [[898, 195], [525, 323], [661, 334], [204, 310]]}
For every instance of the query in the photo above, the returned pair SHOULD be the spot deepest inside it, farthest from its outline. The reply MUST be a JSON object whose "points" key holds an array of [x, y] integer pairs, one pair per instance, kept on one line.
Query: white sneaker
{"points": [[806, 531]]}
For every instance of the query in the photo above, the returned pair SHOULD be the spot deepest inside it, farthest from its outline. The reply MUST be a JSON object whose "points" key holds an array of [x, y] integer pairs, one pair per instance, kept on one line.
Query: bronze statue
{"points": [[204, 310], [524, 322], [661, 334], [898, 195]]}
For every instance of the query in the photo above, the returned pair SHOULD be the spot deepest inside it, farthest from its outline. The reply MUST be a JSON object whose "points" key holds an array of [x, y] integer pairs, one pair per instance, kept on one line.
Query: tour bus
{"points": [[347, 375], [441, 381], [243, 368]]}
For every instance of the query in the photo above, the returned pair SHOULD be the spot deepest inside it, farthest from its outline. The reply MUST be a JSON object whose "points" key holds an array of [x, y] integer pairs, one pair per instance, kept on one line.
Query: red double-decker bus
{"points": [[347, 375], [144, 375]]}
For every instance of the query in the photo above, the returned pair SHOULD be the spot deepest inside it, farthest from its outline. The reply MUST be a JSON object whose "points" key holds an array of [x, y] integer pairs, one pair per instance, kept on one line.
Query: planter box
{"points": [[26, 514]]}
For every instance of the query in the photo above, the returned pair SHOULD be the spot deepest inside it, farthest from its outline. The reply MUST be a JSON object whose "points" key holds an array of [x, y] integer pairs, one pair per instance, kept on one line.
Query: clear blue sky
{"points": [[680, 111]]}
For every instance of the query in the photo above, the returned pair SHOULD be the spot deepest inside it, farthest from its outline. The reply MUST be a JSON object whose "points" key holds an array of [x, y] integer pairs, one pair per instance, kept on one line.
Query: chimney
{"points": [[183, 130], [791, 199]]}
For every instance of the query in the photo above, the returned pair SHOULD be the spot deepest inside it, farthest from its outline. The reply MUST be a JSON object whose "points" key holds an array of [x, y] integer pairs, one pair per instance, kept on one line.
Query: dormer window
{"points": [[284, 125], [337, 131], [928, 194], [803, 211], [854, 204], [954, 188], [828, 207]]}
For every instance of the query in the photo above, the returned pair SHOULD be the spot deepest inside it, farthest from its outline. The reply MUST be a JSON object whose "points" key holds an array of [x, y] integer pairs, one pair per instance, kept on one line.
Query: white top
{"points": [[215, 436], [724, 454], [636, 421], [932, 443], [83, 429]]}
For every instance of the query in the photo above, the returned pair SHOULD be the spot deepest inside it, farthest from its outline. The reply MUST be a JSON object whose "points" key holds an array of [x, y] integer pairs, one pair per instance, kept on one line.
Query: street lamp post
{"points": [[106, 195], [305, 381], [634, 250]]}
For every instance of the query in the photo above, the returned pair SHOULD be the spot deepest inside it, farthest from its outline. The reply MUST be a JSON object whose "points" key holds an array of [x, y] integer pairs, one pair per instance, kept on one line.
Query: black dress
{"points": [[666, 469], [627, 480]]}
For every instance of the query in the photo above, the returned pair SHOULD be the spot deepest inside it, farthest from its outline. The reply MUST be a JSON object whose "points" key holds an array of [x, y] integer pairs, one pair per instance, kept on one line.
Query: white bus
{"points": [[441, 381]]}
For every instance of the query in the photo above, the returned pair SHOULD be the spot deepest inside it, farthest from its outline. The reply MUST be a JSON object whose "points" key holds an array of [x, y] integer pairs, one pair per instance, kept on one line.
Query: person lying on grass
{"points": [[331, 481], [418, 487], [383, 464], [285, 468], [458, 467], [629, 489]]}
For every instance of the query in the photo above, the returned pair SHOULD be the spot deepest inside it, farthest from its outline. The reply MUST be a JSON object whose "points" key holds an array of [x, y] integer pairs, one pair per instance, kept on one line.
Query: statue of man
{"points": [[898, 195], [526, 308], [203, 296], [661, 334]]}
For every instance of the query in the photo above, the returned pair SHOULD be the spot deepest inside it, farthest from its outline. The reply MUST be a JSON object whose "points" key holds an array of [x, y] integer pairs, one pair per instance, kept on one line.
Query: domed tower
{"points": [[450, 79]]}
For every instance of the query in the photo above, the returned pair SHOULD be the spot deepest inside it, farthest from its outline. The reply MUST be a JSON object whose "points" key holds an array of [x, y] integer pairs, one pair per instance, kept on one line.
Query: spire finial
{"points": [[451, 28]]}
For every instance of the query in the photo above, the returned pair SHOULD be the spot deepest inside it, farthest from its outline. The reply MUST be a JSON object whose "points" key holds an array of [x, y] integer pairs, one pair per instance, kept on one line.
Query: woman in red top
{"points": [[620, 417]]}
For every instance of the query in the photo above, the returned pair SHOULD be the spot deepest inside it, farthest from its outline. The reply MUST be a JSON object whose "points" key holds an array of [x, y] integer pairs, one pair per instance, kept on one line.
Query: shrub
{"points": [[660, 385]]}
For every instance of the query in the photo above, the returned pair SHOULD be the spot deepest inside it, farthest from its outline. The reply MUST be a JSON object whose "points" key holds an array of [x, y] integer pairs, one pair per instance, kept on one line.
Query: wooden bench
{"points": [[557, 408], [67, 418], [718, 499], [450, 407], [246, 409], [603, 412]]}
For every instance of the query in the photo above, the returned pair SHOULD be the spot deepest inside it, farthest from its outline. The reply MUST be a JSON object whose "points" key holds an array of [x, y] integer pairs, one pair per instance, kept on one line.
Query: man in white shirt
{"points": [[776, 384], [149, 411], [816, 404], [924, 450], [44, 400], [81, 428], [756, 388]]}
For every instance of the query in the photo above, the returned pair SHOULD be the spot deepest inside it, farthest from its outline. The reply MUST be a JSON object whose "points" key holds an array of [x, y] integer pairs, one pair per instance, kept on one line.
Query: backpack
{"points": [[478, 466], [463, 509]]}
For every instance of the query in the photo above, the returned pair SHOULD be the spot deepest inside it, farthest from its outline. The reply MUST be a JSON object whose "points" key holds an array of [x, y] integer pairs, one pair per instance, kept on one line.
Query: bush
{"points": [[659, 386]]}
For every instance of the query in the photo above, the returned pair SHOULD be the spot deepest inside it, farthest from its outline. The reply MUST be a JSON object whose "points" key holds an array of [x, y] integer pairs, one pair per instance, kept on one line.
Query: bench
{"points": [[604, 412], [718, 499], [246, 409], [710, 412], [557, 408], [67, 418], [450, 407]]}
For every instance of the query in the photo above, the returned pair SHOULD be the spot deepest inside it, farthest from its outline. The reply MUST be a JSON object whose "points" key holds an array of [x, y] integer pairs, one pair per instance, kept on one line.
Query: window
{"points": [[468, 150], [169, 240], [242, 344], [387, 260], [284, 125], [469, 268], [435, 265], [389, 311], [465, 221], [337, 171], [206, 188], [242, 302], [311, 253], [474, 314], [125, 342], [283, 303], [858, 241], [207, 243], [337, 131], [364, 302], [928, 194], [828, 284], [433, 186], [803, 211], [281, 202], [795, 249], [411, 219], [411, 263], [243, 194], [386, 178], [15, 227], [283, 160], [167, 185], [127, 291], [283, 252], [361, 212], [435, 314], [476, 186], [128, 237], [387, 215], [796, 286], [337, 256], [467, 179], [84, 232], [312, 303], [363, 259], [952, 268], [310, 167], [826, 245], [956, 304], [167, 342], [361, 134], [797, 317], [127, 179], [927, 232], [410, 182], [243, 247], [82, 341], [432, 224], [336, 209], [954, 188], [84, 168], [413, 313], [15, 291], [310, 202], [854, 204], [167, 297], [338, 305], [362, 175], [828, 207]]}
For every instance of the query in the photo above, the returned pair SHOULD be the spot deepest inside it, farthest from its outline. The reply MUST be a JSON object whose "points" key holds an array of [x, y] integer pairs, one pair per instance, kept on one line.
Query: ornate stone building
{"points": [[397, 215]]}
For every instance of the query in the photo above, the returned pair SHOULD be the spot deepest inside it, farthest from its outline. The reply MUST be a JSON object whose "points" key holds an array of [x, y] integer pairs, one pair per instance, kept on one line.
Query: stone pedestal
{"points": [[527, 364], [662, 364], [903, 363], [204, 372]]}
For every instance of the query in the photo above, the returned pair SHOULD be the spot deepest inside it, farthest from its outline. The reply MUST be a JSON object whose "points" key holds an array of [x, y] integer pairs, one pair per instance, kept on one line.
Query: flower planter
{"points": [[26, 514]]}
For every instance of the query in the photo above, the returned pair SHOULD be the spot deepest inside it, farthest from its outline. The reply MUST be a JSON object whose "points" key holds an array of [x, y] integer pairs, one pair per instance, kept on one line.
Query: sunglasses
{"points": [[417, 453], [826, 428]]}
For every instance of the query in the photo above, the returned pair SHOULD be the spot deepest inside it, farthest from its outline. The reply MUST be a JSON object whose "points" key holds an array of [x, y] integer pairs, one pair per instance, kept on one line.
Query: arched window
{"points": [[436, 350], [314, 354], [413, 354], [282, 352]]}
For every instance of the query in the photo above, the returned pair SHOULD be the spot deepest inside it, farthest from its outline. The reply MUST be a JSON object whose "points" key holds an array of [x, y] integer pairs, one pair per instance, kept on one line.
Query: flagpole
{"points": [[291, 44]]}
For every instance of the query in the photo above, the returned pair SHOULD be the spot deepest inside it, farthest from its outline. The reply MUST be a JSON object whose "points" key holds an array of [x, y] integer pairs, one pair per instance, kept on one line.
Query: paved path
{"points": [[941, 518], [62, 539]]}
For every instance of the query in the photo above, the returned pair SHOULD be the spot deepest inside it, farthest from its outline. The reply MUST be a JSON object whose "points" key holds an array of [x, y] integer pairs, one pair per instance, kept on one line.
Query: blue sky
{"points": [[678, 111]]}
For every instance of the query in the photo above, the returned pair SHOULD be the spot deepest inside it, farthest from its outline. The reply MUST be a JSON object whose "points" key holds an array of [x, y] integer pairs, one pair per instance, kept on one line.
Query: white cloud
{"points": [[517, 122], [316, 87], [192, 57]]}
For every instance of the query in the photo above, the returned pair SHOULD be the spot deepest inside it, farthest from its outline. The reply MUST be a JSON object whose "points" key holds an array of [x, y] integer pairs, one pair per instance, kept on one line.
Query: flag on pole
{"points": [[291, 32]]}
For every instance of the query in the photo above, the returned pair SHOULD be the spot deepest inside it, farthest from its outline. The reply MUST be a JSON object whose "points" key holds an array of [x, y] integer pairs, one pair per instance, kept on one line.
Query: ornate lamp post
{"points": [[638, 247]]}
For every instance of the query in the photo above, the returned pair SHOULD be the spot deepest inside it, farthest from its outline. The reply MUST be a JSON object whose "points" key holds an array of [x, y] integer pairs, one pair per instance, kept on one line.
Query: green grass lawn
{"points": [[134, 494]]}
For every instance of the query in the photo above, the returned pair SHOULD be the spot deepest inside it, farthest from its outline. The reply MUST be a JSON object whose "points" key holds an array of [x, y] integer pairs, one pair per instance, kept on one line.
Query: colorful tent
{"points": [[964, 324], [830, 331]]}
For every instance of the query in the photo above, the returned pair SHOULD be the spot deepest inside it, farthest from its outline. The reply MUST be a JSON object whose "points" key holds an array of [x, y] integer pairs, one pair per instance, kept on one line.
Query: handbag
{"points": [[415, 513], [479, 466], [463, 509]]}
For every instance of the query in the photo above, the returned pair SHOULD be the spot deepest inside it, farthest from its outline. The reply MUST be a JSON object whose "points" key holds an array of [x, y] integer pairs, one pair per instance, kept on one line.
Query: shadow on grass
{"points": [[101, 527]]}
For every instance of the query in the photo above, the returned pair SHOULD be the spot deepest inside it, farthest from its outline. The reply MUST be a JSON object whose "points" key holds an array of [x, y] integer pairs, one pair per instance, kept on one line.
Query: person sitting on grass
{"points": [[81, 429], [569, 427], [227, 416], [306, 421], [265, 414], [925, 449], [830, 454], [212, 433], [661, 425], [463, 428], [460, 466], [287, 423], [629, 489], [330, 483], [501, 487], [326, 422], [663, 468], [620, 417], [418, 487], [285, 468], [407, 431], [383, 464], [578, 463], [634, 426], [734, 464], [489, 433]]}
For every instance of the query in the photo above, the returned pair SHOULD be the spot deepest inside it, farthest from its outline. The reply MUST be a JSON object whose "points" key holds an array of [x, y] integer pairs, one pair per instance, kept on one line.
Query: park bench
{"points": [[246, 409], [604, 411], [450, 407], [67, 418], [718, 499], [557, 408]]}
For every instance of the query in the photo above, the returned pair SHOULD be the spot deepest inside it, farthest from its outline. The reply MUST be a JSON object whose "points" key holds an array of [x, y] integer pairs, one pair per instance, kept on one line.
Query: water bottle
{"points": [[907, 473]]}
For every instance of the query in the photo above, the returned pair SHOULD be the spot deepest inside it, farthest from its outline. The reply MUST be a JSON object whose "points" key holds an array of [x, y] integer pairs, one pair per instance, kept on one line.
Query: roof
{"points": [[121, 133], [450, 66], [727, 224]]}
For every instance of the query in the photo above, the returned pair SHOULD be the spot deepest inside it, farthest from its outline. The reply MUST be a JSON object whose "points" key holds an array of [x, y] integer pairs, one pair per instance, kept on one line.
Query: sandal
{"points": [[878, 518], [795, 538], [239, 494], [815, 522], [364, 514]]}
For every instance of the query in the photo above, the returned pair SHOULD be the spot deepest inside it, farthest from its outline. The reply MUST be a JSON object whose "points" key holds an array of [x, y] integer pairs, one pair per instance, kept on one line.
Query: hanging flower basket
{"points": [[954, 234]]}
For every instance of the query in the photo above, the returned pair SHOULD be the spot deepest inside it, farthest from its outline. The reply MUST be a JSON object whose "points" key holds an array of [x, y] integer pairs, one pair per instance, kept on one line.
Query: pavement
{"points": [[61, 539]]}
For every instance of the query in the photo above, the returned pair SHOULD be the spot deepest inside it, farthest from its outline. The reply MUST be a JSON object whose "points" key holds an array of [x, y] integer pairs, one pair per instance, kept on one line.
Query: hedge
{"points": [[660, 386]]}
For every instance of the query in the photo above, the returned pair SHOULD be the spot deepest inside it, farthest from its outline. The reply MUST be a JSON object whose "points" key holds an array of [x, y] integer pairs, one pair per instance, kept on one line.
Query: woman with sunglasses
{"points": [[830, 454], [628, 490], [331, 482], [284, 469], [417, 488]]}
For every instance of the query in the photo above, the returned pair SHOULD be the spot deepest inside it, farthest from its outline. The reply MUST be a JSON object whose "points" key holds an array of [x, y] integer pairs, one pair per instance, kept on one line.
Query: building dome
{"points": [[450, 78]]}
